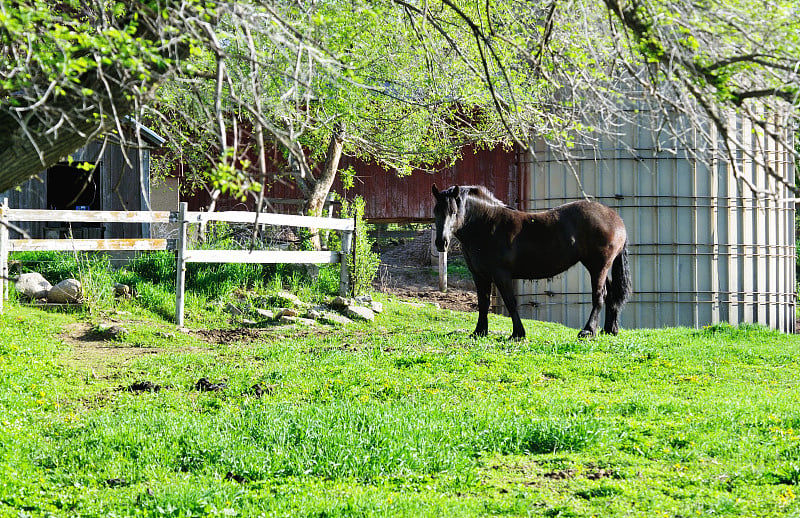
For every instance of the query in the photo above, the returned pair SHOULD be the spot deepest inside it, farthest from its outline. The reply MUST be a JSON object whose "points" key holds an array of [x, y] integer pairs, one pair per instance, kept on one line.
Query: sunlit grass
{"points": [[407, 416]]}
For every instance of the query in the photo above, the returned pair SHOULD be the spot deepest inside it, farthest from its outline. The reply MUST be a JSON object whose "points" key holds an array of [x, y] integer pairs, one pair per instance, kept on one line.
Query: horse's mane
{"points": [[486, 200], [481, 193]]}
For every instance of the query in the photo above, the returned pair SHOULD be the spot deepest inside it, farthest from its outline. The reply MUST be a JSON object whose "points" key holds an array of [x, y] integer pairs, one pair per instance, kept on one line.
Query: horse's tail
{"points": [[620, 290]]}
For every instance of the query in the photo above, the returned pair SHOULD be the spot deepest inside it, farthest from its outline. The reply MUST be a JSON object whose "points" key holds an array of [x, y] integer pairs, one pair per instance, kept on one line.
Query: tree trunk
{"points": [[319, 192]]}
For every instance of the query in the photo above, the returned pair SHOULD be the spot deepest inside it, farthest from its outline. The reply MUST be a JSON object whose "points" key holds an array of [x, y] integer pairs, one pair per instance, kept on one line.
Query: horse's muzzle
{"points": [[442, 244]]}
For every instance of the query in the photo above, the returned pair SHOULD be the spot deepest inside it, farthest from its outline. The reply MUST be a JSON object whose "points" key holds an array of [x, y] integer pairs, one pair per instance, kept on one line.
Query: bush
{"points": [[363, 262]]}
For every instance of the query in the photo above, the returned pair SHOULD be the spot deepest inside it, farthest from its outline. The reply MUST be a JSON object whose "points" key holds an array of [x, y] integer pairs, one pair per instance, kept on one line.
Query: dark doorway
{"points": [[70, 187]]}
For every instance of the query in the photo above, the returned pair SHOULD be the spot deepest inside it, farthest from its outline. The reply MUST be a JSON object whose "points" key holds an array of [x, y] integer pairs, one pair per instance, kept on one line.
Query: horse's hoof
{"points": [[516, 338], [585, 333], [482, 334]]}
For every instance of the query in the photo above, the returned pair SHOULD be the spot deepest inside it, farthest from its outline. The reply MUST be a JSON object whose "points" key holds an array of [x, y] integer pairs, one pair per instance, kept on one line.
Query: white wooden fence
{"points": [[184, 255]]}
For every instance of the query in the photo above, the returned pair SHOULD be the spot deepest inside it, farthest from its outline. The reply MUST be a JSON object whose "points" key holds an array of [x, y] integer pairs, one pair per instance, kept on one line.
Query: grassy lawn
{"points": [[404, 417]]}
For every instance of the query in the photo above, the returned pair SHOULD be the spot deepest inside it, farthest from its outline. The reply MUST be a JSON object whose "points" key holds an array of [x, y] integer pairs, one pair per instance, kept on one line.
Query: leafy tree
{"points": [[402, 82]]}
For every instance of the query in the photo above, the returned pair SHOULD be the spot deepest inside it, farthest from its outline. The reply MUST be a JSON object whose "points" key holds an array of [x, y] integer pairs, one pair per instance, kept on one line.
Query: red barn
{"points": [[393, 199]]}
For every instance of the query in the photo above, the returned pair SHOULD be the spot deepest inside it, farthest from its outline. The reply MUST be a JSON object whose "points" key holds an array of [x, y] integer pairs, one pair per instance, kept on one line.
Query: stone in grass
{"points": [[122, 291], [233, 310], [376, 306], [296, 320], [265, 313], [329, 317], [340, 303], [65, 292], [33, 285], [285, 298], [286, 312], [359, 313], [365, 300], [111, 331]]}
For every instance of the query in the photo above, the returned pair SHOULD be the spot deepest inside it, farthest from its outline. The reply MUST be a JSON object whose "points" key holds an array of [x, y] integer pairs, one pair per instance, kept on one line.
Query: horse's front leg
{"points": [[483, 286], [506, 289], [598, 299]]}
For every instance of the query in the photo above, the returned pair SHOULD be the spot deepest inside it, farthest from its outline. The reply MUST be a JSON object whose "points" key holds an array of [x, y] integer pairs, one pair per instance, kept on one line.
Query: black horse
{"points": [[501, 244]]}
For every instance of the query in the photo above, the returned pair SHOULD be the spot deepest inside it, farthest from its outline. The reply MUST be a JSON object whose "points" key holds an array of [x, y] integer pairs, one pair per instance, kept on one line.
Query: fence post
{"points": [[4, 245], [442, 257], [344, 276], [180, 263], [443, 271]]}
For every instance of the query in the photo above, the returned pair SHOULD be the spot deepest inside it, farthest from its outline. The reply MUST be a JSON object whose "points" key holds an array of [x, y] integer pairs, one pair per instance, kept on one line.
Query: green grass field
{"points": [[404, 417]]}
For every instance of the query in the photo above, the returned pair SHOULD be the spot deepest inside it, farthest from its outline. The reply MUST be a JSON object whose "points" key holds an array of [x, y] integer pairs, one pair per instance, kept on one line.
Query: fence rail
{"points": [[184, 254]]}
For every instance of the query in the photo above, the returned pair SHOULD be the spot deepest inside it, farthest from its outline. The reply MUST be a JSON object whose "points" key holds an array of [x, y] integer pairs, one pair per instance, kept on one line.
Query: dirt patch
{"points": [[90, 354], [228, 336], [407, 272]]}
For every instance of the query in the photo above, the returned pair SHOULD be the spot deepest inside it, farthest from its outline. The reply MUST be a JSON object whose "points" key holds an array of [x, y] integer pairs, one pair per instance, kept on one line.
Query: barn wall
{"points": [[30, 195], [392, 198], [121, 186], [388, 197], [703, 249]]}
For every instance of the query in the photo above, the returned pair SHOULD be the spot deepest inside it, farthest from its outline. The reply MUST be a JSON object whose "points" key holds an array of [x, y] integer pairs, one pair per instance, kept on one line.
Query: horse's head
{"points": [[446, 214]]}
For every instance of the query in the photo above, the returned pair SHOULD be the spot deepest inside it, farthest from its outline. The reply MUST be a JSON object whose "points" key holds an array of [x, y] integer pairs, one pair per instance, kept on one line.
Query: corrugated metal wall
{"points": [[703, 248]]}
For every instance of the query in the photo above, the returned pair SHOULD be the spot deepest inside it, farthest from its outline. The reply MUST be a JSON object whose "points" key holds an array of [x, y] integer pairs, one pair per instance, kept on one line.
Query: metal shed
{"points": [[703, 248]]}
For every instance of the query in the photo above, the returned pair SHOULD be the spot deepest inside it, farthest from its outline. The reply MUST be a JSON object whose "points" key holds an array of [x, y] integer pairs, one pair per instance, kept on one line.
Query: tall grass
{"points": [[93, 270], [152, 275]]}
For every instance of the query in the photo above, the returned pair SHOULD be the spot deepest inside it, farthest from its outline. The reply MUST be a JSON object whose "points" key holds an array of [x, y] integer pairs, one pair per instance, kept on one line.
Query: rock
{"points": [[286, 319], [285, 298], [340, 302], [265, 313], [364, 299], [306, 321], [122, 291], [376, 306], [286, 312], [248, 322], [111, 332], [233, 310], [329, 317], [33, 285], [360, 313], [313, 314], [65, 292]]}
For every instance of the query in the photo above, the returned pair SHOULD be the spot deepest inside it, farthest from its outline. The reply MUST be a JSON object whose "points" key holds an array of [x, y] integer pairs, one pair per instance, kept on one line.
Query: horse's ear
{"points": [[434, 190]]}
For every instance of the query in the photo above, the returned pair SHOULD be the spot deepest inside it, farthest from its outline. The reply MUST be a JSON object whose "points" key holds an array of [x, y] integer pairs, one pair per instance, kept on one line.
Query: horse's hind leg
{"points": [[483, 287], [598, 299], [611, 326], [504, 286]]}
